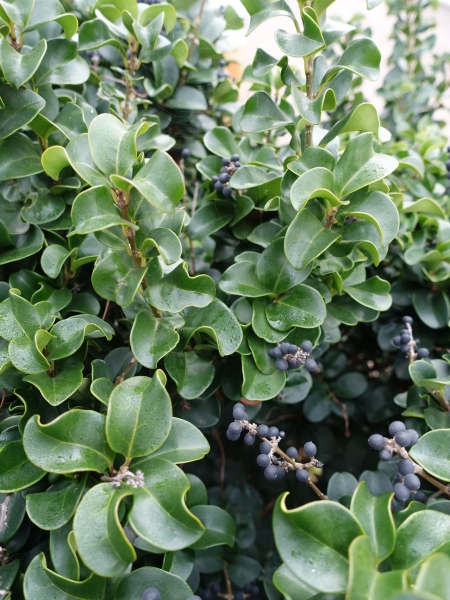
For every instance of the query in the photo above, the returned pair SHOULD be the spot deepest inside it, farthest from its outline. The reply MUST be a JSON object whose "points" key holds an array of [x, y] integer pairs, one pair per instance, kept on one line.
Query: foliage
{"points": [[159, 241]]}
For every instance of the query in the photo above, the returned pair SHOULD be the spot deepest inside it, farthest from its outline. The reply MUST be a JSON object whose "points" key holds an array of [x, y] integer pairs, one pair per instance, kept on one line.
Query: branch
{"points": [[121, 377]]}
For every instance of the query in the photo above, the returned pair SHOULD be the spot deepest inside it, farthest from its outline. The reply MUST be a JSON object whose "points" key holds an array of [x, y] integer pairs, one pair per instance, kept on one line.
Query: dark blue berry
{"points": [[151, 594], [271, 353], [249, 439], [214, 178], [219, 186], [273, 432], [237, 164], [238, 406], [240, 415], [293, 349], [282, 364], [311, 365], [282, 435], [377, 441], [306, 346], [265, 448], [403, 438], [310, 449], [271, 472], [412, 482], [227, 192], [225, 161], [407, 320], [401, 492], [262, 430], [294, 364], [405, 338], [277, 352], [285, 348], [238, 596], [281, 472], [292, 452], [248, 586], [405, 466], [185, 153], [207, 594], [263, 461], [223, 170], [395, 427], [222, 63], [255, 590], [215, 588], [302, 475], [224, 178], [423, 353], [420, 497], [232, 436], [414, 436], [386, 454], [405, 348], [397, 341], [235, 428], [234, 158]]}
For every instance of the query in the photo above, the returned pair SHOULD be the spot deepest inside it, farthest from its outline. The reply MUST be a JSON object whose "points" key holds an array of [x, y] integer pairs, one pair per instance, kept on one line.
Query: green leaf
{"points": [[261, 10], [290, 586], [26, 354], [363, 117], [433, 308], [152, 338], [18, 12], [373, 293], [50, 447], [340, 484], [53, 259], [60, 387], [241, 280], [69, 334], [94, 34], [359, 166], [40, 582], [220, 141], [61, 65], [434, 576], [24, 245], [134, 584], [116, 280], [431, 452], [192, 374], [220, 527], [100, 539], [187, 98], [302, 306], [159, 507], [78, 154], [306, 239], [257, 385], [211, 217], [19, 157], [177, 290], [113, 145], [94, 210], [44, 209], [302, 44], [16, 471], [19, 68], [314, 183], [55, 507], [311, 110], [19, 108], [139, 416], [375, 517], [63, 553], [436, 419], [365, 582], [361, 57], [419, 536], [275, 272], [323, 530], [218, 322], [166, 242], [262, 114]]}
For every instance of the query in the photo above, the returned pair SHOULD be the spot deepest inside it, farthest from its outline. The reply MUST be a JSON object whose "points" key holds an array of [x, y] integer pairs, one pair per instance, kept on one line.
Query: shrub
{"points": [[180, 270]]}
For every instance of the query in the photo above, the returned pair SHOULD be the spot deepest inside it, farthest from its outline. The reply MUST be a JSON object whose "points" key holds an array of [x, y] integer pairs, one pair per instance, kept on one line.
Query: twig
{"points": [[121, 377], [3, 398], [194, 199], [222, 462], [330, 217], [194, 41], [344, 412], [123, 82], [131, 66], [229, 595], [105, 312], [442, 399], [309, 71]]}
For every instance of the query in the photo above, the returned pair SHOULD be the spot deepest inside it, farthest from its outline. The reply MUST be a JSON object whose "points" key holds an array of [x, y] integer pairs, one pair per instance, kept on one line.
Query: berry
{"points": [[265, 448], [407, 320], [302, 475], [423, 353], [405, 466], [224, 178], [151, 594], [238, 596], [222, 63], [235, 158], [403, 331], [238, 406], [273, 432], [207, 594], [249, 439], [277, 352], [310, 449], [214, 178], [377, 441], [219, 186], [282, 435], [405, 348], [294, 364], [292, 452], [395, 427], [262, 430], [239, 415], [285, 348], [215, 588], [293, 349], [420, 497], [227, 192], [385, 454], [271, 472], [306, 346], [281, 472], [223, 170], [403, 438], [412, 482], [232, 436], [225, 161], [397, 341], [311, 365], [247, 588], [271, 353], [235, 428], [263, 461], [414, 436], [401, 492], [185, 153], [255, 590], [282, 364], [405, 338], [237, 164]]}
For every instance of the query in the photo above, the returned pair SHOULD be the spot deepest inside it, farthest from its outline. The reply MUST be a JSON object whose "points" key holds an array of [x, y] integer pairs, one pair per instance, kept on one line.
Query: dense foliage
{"points": [[181, 271]]}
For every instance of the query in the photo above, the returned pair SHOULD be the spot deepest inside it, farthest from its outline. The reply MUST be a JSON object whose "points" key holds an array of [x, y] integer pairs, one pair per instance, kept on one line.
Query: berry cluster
{"points": [[150, 2], [221, 73], [402, 438], [289, 356], [275, 462], [229, 168], [406, 342]]}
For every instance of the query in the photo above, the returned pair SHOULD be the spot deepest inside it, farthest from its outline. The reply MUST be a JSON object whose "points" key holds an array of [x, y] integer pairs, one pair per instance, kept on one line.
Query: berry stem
{"points": [[442, 399]]}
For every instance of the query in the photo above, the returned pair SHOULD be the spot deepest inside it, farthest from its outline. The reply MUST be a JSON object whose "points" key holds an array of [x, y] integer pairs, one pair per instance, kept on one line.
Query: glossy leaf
{"points": [[94, 210], [302, 44], [19, 68], [114, 279], [431, 453], [257, 385], [220, 527], [16, 471], [192, 373], [302, 306], [152, 338], [262, 114]]}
